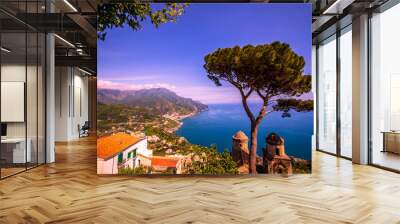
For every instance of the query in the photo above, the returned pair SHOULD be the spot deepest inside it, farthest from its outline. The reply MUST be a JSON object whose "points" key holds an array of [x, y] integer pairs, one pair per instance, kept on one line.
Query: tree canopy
{"points": [[273, 71], [117, 14], [269, 70]]}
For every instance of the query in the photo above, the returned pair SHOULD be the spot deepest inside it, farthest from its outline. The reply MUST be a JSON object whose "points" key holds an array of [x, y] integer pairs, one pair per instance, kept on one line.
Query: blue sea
{"points": [[218, 124]]}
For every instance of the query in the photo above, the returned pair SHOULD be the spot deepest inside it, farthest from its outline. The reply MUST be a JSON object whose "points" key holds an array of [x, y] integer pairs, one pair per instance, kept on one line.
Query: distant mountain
{"points": [[160, 99]]}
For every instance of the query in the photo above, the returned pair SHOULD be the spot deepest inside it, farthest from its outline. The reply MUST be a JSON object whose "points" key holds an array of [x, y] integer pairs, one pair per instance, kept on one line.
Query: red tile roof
{"points": [[110, 146], [163, 161]]}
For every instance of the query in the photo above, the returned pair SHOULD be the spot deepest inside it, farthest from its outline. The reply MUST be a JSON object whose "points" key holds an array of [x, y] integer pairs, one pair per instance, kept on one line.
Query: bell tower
{"points": [[240, 148]]}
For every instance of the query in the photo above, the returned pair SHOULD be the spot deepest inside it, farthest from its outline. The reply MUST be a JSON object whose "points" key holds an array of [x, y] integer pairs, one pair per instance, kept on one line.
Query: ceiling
{"points": [[73, 21], [330, 15]]}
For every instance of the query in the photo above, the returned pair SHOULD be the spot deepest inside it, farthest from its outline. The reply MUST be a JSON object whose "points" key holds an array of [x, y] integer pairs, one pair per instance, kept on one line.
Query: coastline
{"points": [[179, 119]]}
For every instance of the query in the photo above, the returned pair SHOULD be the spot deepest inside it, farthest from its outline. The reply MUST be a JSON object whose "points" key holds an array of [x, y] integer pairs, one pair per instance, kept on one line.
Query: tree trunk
{"points": [[253, 149], [254, 128]]}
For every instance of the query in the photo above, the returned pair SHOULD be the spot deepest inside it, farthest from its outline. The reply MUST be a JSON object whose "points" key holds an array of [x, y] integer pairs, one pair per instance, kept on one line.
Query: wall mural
{"points": [[204, 89]]}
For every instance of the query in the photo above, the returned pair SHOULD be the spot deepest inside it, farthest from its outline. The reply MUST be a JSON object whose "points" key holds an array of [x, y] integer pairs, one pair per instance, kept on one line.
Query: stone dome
{"points": [[240, 136], [274, 139]]}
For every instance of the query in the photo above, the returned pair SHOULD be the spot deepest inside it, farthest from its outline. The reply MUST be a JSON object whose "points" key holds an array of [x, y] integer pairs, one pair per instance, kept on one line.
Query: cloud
{"points": [[210, 94], [105, 84], [128, 78]]}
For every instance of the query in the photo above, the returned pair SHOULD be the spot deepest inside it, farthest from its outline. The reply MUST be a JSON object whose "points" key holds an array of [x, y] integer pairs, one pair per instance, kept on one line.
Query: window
{"points": [[22, 74], [385, 89], [346, 92], [327, 95], [120, 157], [334, 89], [132, 154]]}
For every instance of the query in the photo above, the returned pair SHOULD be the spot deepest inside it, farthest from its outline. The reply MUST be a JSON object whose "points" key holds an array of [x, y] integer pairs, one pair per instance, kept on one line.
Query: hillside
{"points": [[161, 100]]}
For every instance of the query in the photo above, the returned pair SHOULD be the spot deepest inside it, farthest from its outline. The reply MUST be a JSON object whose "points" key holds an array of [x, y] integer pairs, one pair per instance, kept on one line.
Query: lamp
{"points": [[64, 40], [5, 50], [70, 5], [84, 71]]}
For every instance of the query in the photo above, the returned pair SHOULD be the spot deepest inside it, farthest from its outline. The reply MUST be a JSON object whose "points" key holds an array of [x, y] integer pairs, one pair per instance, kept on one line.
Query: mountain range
{"points": [[160, 99]]}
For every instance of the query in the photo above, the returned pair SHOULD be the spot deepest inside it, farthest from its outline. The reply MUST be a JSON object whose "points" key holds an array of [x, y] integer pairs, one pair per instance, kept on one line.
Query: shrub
{"points": [[135, 170], [209, 161]]}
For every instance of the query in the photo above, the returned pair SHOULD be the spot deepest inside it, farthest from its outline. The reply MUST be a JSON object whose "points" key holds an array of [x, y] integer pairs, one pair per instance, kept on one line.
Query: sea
{"points": [[220, 122]]}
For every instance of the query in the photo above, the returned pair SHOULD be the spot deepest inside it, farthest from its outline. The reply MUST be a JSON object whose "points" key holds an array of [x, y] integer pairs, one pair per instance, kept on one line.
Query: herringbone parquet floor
{"points": [[69, 191]]}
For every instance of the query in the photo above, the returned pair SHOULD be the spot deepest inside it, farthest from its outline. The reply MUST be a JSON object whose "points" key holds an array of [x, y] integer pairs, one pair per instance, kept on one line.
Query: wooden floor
{"points": [[5, 172], [387, 159], [69, 191]]}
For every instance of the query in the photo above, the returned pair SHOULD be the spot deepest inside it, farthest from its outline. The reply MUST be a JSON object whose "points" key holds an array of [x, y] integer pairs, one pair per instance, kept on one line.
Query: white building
{"points": [[121, 150]]}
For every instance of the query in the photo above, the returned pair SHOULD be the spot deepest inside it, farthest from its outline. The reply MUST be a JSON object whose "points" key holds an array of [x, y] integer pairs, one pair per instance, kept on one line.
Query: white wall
{"points": [[142, 149], [61, 103], [80, 110], [12, 73], [109, 166], [71, 102]]}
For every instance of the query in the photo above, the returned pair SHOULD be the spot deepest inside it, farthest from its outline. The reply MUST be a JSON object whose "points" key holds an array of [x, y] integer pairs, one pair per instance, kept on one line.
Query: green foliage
{"points": [[170, 123], [169, 137], [118, 115], [158, 152], [121, 112], [286, 105], [301, 166], [135, 170], [209, 161], [104, 125], [170, 170], [273, 71], [115, 113], [134, 14], [205, 160], [269, 69]]}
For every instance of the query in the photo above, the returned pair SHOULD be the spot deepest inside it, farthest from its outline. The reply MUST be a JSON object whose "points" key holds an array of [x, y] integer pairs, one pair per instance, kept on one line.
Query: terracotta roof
{"points": [[111, 145], [163, 161]]}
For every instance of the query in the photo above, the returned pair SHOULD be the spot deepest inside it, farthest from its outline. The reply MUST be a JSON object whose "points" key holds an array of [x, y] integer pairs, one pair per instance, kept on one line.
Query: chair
{"points": [[84, 130]]}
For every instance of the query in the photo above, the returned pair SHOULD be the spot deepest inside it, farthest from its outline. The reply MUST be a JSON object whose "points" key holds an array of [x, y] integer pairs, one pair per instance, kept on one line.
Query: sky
{"points": [[172, 55]]}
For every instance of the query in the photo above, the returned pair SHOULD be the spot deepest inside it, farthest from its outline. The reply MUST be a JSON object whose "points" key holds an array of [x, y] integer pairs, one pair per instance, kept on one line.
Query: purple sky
{"points": [[172, 56]]}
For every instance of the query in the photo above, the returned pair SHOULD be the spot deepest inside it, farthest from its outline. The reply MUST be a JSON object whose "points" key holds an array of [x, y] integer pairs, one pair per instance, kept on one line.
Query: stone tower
{"points": [[275, 145], [275, 160], [240, 148]]}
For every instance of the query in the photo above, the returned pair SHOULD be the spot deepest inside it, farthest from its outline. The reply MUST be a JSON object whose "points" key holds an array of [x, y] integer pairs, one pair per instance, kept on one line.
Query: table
{"points": [[391, 141], [19, 155]]}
